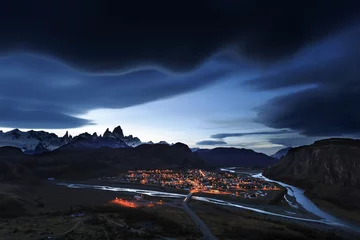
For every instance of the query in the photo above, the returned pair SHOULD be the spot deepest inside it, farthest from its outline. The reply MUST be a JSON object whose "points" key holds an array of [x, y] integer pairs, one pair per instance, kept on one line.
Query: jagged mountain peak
{"points": [[32, 141], [66, 135], [84, 135], [16, 130], [107, 133], [118, 131]]}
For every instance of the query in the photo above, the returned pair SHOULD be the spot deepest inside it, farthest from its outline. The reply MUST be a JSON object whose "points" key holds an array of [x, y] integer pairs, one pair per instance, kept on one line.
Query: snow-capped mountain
{"points": [[117, 133], [194, 149], [33, 142], [282, 152], [87, 141]]}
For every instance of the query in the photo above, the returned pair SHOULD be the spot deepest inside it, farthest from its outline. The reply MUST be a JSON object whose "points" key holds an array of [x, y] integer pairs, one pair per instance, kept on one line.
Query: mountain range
{"points": [[87, 155], [34, 142]]}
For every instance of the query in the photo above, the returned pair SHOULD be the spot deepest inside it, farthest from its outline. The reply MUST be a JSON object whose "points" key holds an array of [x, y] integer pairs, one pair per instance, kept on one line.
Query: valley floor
{"points": [[350, 215], [45, 210]]}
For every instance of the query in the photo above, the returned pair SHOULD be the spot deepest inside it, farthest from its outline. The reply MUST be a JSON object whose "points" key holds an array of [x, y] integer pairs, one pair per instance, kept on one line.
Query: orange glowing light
{"points": [[194, 190], [124, 203], [217, 192]]}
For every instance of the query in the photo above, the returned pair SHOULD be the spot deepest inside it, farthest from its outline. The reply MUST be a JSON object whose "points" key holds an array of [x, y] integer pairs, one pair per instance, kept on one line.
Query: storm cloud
{"points": [[38, 92], [22, 118], [118, 35], [210, 143], [226, 135], [63, 59], [294, 141], [328, 106], [315, 112]]}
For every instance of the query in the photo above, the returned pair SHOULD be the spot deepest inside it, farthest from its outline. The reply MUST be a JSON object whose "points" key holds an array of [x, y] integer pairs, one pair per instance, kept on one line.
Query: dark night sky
{"points": [[259, 74]]}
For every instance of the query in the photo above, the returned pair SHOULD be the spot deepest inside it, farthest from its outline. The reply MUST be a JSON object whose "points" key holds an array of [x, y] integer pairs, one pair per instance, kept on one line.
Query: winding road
{"points": [[200, 224]]}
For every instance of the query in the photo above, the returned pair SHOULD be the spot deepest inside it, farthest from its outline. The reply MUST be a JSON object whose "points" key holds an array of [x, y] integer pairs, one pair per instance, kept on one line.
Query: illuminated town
{"points": [[197, 180]]}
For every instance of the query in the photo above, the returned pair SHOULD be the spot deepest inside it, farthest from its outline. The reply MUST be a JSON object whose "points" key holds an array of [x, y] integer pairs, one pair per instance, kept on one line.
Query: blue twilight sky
{"points": [[265, 81]]}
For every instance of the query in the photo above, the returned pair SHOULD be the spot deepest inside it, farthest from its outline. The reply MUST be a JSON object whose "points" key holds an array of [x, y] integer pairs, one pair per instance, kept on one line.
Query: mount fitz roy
{"points": [[33, 142]]}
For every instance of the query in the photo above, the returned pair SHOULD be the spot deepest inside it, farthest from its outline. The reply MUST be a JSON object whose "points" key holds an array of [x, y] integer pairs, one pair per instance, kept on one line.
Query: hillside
{"points": [[11, 166], [329, 171], [6, 152], [234, 157], [104, 161], [80, 161]]}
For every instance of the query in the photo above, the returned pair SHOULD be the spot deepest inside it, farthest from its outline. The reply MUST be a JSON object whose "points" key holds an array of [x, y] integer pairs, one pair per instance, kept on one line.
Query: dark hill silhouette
{"points": [[234, 157], [104, 161], [8, 151], [12, 166]]}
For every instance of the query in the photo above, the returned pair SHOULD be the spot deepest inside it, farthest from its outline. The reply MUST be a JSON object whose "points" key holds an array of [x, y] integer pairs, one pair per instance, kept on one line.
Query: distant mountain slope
{"points": [[281, 153], [105, 161], [329, 170], [234, 157], [91, 162]]}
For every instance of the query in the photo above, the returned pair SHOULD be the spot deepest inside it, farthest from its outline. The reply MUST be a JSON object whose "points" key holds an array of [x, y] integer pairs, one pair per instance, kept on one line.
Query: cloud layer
{"points": [[226, 135], [38, 92], [210, 143], [328, 106], [115, 35], [119, 54]]}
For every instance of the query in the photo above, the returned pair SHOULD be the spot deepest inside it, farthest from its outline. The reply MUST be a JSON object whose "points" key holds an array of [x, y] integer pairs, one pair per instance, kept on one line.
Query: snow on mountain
{"points": [[282, 152], [194, 149], [117, 133], [38, 141], [161, 142], [87, 141], [33, 142]]}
